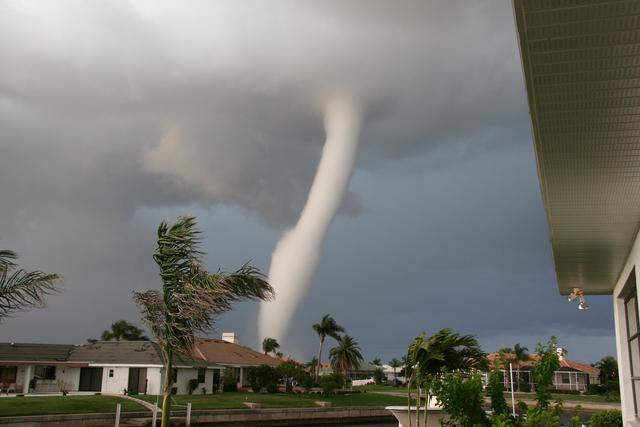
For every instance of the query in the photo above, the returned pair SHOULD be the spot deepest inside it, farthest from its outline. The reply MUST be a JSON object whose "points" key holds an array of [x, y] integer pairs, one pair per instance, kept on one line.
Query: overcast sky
{"points": [[117, 115]]}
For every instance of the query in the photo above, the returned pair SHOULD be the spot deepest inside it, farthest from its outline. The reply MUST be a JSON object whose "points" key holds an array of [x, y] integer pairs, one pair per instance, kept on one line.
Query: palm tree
{"points": [[395, 364], [346, 356], [520, 354], [427, 358], [270, 345], [608, 366], [191, 298], [21, 289], [376, 361], [122, 330], [326, 328]]}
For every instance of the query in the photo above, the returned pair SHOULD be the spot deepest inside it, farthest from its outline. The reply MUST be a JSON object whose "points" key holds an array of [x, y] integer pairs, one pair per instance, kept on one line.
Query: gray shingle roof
{"points": [[34, 352]]}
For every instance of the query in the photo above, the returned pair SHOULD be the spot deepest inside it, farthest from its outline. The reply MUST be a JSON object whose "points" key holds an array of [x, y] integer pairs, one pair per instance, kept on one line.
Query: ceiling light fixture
{"points": [[578, 293]]}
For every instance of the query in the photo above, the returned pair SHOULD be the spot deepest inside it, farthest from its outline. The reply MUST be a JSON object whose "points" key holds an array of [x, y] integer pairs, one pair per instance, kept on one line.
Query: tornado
{"points": [[297, 255]]}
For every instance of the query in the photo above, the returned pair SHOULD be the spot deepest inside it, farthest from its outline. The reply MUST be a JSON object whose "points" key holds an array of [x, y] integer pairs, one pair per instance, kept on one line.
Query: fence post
{"points": [[155, 414], [118, 415], [188, 414]]}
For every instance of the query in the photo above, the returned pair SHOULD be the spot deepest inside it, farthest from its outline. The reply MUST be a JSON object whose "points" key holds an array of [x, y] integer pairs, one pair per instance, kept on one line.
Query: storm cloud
{"points": [[115, 115]]}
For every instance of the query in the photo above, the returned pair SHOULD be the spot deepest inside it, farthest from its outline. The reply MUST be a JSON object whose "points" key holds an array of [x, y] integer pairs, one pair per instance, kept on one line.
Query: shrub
{"points": [[203, 390], [132, 393], [261, 376], [612, 418], [524, 386], [378, 376], [229, 382], [272, 387], [192, 384], [462, 398], [495, 390], [330, 383], [595, 389]]}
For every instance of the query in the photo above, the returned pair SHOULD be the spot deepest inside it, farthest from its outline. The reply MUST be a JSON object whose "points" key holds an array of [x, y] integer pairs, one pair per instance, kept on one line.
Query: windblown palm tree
{"points": [[326, 328], [346, 356], [122, 330], [270, 345], [21, 289], [191, 298], [427, 358]]}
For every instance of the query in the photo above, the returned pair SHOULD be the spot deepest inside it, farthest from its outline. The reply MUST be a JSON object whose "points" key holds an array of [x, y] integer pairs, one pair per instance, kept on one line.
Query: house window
{"points": [[45, 372], [110, 373], [8, 375], [174, 375], [633, 336], [564, 377], [201, 372]]}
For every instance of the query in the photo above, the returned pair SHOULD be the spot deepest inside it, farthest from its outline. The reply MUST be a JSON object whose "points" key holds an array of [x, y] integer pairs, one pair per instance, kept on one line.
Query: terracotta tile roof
{"points": [[533, 359], [223, 352]]}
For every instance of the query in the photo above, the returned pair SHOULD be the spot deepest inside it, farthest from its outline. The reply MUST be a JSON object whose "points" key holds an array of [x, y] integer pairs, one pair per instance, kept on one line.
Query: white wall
{"points": [[184, 375], [70, 376], [154, 380], [116, 384]]}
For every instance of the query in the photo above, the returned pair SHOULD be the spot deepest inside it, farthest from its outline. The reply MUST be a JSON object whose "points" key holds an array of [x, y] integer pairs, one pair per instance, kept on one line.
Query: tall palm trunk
{"points": [[319, 358], [408, 399], [168, 385], [426, 405], [418, 406]]}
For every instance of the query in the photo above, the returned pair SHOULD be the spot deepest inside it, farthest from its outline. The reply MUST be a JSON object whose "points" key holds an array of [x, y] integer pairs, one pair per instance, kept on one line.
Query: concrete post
{"points": [[188, 422], [155, 415]]}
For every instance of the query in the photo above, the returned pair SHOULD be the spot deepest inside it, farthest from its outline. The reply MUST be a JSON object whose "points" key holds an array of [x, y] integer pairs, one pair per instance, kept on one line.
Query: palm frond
{"points": [[21, 289], [6, 259]]}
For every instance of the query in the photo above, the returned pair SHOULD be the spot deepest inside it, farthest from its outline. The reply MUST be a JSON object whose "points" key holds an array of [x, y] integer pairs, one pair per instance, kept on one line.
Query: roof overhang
{"points": [[581, 62]]}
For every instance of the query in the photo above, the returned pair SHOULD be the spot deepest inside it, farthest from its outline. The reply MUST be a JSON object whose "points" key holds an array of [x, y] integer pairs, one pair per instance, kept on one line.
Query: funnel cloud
{"points": [[297, 254]]}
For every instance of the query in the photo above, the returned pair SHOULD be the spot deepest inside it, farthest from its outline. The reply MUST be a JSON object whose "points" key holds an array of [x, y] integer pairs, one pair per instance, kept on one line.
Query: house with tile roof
{"points": [[570, 376], [120, 366]]}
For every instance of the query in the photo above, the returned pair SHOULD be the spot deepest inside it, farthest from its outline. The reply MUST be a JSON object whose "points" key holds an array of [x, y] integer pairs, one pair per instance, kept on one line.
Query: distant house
{"points": [[570, 376], [117, 366], [366, 370]]}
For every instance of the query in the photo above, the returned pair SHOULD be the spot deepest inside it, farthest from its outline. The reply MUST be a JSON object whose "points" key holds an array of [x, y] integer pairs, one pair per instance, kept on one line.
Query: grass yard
{"points": [[591, 398], [279, 400], [46, 405]]}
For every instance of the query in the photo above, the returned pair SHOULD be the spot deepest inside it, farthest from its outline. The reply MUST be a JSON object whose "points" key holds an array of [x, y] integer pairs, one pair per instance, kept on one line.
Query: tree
{"points": [[544, 371], [346, 356], [191, 298], [376, 361], [122, 330], [270, 345], [395, 364], [520, 354], [20, 289], [428, 358], [608, 367], [327, 327]]}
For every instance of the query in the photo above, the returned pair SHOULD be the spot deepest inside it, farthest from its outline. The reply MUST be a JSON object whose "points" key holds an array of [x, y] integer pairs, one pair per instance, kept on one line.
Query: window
{"points": [[633, 335], [564, 377], [201, 372], [174, 375], [110, 373], [45, 372], [8, 374]]}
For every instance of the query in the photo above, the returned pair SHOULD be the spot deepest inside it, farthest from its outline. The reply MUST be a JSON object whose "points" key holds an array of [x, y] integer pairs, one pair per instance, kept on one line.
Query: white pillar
{"points": [[241, 378], [28, 374], [624, 364]]}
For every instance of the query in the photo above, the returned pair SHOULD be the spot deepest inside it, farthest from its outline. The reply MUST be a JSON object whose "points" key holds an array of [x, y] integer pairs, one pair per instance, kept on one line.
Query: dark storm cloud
{"points": [[114, 112]]}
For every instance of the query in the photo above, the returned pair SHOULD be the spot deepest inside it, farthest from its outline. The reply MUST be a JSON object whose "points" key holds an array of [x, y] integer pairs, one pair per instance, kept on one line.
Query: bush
{"points": [[132, 393], [612, 418], [524, 386], [462, 398], [595, 389], [378, 376], [203, 390], [261, 376], [330, 383], [495, 390], [272, 388], [192, 384], [229, 382]]}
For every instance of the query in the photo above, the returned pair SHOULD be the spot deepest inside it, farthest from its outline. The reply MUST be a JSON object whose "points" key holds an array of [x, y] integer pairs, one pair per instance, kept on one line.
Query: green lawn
{"points": [[45, 405], [592, 398], [280, 400]]}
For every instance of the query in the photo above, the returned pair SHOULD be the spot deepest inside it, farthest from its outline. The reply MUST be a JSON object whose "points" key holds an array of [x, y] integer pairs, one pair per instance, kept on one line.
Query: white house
{"points": [[119, 366], [581, 62]]}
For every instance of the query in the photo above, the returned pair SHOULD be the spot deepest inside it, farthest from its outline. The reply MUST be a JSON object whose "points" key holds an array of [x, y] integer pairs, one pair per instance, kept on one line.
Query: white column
{"points": [[241, 378], [624, 364], [28, 374]]}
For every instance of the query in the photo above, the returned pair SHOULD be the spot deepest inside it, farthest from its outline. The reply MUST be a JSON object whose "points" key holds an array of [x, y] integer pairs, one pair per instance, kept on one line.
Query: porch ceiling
{"points": [[581, 61]]}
